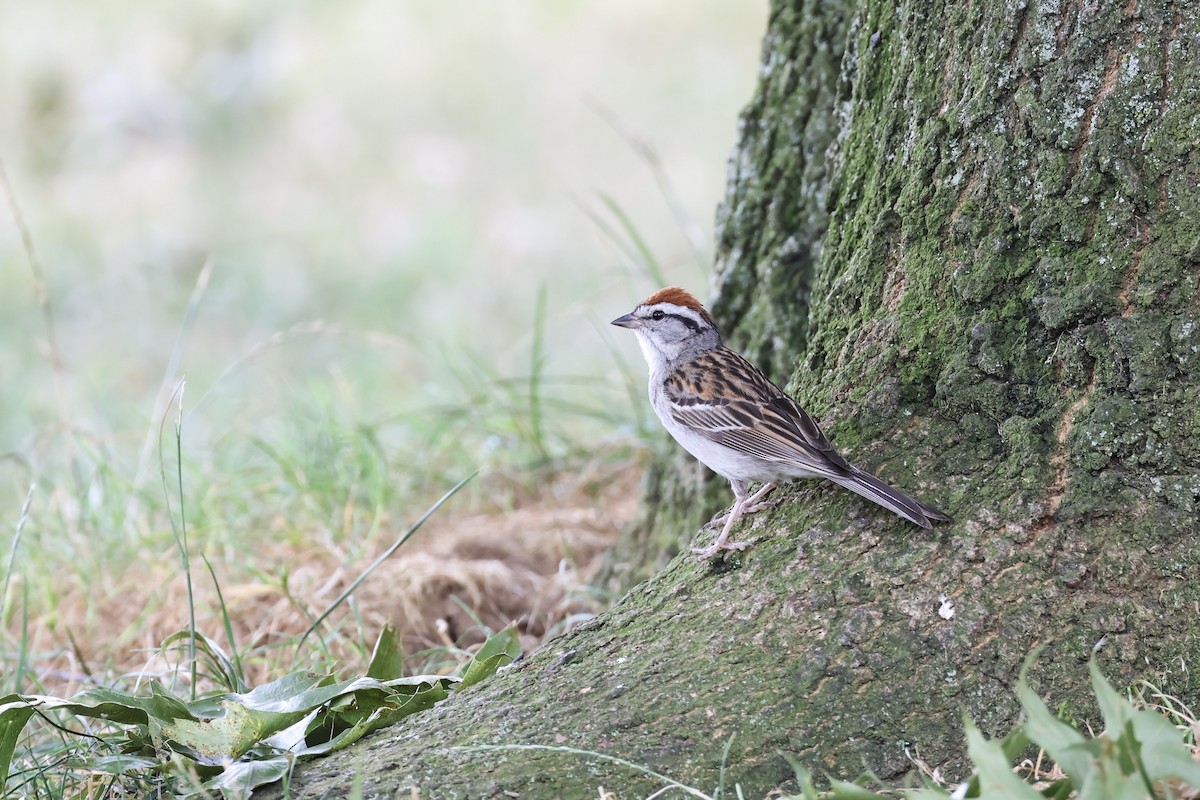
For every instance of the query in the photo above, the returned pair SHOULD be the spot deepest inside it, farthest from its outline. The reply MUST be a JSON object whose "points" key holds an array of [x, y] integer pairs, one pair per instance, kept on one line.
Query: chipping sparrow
{"points": [[730, 416]]}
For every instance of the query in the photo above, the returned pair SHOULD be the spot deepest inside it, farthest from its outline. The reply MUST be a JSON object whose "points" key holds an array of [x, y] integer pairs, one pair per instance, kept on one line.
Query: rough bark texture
{"points": [[995, 210]]}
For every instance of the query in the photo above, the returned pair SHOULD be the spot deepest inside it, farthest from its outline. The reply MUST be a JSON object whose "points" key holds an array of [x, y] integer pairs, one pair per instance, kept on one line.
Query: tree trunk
{"points": [[995, 210]]}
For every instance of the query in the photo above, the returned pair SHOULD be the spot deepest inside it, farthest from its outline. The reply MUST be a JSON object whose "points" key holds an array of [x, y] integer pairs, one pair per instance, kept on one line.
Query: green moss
{"points": [[1003, 319]]}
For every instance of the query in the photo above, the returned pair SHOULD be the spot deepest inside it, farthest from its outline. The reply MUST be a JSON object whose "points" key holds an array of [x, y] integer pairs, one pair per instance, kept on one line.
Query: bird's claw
{"points": [[705, 553], [717, 522], [765, 504]]}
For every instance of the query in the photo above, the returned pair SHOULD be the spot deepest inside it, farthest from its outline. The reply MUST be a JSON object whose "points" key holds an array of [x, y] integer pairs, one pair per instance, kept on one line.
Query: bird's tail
{"points": [[894, 500]]}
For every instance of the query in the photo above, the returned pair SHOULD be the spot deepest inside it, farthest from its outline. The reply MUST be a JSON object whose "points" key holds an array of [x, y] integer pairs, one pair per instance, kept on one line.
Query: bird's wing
{"points": [[725, 398]]}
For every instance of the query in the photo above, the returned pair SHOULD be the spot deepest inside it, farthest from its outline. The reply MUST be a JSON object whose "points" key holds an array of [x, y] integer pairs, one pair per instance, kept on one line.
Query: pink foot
{"points": [[717, 522], [705, 553]]}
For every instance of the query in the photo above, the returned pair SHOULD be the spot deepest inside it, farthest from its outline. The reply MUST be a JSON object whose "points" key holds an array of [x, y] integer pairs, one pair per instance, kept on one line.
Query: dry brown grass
{"points": [[526, 559]]}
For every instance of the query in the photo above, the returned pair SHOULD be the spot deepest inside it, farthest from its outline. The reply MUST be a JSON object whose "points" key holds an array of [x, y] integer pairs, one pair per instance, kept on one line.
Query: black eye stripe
{"points": [[658, 314], [688, 321]]}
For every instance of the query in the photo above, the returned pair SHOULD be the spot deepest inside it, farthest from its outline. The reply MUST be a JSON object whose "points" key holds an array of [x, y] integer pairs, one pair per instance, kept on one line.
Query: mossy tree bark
{"points": [[968, 237]]}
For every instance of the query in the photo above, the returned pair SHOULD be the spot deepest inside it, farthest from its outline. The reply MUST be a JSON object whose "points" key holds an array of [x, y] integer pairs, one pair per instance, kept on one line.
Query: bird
{"points": [[729, 415]]}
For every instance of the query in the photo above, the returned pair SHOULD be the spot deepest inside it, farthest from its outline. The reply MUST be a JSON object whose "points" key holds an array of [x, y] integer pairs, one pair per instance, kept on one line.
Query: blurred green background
{"points": [[383, 242], [412, 175]]}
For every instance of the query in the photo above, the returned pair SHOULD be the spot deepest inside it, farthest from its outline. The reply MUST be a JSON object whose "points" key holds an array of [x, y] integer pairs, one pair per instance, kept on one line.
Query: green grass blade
{"points": [[537, 360], [645, 255], [724, 762], [383, 557], [802, 776], [236, 673], [612, 234], [639, 768], [23, 649], [220, 665], [189, 319], [644, 151], [12, 552], [179, 531]]}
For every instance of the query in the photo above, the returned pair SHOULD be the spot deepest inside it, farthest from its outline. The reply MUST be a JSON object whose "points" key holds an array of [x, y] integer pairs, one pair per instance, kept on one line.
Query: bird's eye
{"points": [[657, 314]]}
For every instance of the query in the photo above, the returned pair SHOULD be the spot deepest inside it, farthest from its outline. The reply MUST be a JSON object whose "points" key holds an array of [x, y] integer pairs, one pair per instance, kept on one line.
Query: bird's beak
{"points": [[627, 321]]}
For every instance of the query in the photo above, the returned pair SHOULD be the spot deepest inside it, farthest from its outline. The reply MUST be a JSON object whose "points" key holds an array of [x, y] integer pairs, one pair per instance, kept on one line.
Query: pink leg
{"points": [[740, 507], [752, 505]]}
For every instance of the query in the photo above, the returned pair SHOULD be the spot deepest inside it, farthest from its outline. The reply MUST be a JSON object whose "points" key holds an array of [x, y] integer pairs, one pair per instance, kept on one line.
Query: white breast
{"points": [[725, 461]]}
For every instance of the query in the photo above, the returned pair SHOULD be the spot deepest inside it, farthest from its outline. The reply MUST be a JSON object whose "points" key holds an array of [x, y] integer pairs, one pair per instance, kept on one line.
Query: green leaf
{"points": [[844, 790], [344, 738], [993, 770], [1142, 747], [501, 649], [380, 716], [1065, 745], [341, 710], [1060, 789], [1113, 781], [387, 660], [415, 682], [1115, 710], [236, 740], [239, 780], [353, 690], [15, 711], [221, 739], [1163, 753], [1015, 742], [100, 703], [121, 707], [291, 738], [802, 776], [295, 692]]}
